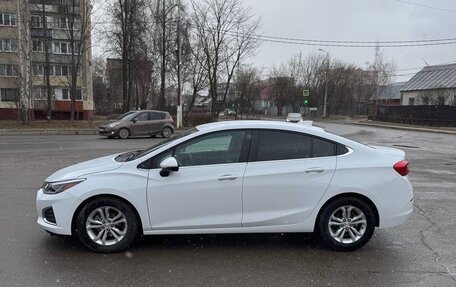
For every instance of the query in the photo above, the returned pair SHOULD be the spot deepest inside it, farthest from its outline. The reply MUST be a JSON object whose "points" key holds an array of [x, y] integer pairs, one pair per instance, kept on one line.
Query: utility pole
{"points": [[326, 82], [179, 48]]}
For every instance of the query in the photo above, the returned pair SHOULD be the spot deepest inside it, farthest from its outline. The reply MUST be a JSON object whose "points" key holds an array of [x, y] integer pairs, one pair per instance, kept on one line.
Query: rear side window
{"points": [[341, 149], [323, 148], [279, 145], [282, 145], [155, 116]]}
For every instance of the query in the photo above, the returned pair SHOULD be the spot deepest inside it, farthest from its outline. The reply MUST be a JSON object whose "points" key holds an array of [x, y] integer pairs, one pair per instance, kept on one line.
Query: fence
{"points": [[418, 115]]}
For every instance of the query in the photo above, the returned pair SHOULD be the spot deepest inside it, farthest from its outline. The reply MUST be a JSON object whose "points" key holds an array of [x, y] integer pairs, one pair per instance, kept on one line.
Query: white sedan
{"points": [[232, 177]]}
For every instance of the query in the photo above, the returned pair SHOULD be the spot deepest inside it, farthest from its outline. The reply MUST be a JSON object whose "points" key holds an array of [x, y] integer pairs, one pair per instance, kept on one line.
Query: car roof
{"points": [[259, 124], [139, 111]]}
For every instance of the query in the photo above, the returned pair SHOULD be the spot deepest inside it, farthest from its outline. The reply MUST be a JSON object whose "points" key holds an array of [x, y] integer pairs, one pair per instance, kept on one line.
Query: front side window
{"points": [[142, 117], [215, 148]]}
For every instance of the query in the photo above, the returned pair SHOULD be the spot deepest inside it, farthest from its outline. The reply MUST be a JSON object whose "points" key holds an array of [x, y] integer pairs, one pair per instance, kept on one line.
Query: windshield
{"points": [[132, 155], [126, 116]]}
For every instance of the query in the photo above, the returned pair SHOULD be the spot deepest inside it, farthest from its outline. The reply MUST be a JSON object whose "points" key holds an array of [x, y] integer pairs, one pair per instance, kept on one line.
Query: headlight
{"points": [[59, 186], [113, 125]]}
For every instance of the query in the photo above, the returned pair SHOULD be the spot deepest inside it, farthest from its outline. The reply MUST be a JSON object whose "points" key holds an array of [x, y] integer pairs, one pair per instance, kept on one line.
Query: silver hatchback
{"points": [[139, 123]]}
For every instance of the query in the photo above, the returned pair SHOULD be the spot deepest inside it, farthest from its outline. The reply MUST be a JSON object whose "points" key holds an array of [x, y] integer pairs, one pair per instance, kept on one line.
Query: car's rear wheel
{"points": [[106, 225], [166, 132], [346, 224], [124, 133]]}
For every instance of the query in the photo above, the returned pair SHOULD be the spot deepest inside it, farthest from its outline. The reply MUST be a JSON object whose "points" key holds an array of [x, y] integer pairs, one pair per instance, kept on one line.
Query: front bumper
{"points": [[63, 206], [105, 131]]}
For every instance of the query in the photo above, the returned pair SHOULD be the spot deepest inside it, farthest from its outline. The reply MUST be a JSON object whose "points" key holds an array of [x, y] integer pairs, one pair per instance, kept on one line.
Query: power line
{"points": [[426, 6], [353, 45]]}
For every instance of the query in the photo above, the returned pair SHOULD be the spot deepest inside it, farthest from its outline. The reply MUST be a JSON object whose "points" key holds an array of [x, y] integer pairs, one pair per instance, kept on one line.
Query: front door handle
{"points": [[227, 177], [315, 170]]}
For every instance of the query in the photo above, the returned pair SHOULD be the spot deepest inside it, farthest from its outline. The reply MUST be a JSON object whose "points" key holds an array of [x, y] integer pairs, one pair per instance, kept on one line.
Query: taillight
{"points": [[402, 167]]}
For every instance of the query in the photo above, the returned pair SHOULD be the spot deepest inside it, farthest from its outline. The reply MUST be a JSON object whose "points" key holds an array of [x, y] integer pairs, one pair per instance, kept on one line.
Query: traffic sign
{"points": [[305, 93]]}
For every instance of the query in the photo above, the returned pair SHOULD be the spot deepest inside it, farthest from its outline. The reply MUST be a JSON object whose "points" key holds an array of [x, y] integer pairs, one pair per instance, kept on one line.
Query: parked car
{"points": [[139, 123], [232, 177], [294, 117], [230, 112]]}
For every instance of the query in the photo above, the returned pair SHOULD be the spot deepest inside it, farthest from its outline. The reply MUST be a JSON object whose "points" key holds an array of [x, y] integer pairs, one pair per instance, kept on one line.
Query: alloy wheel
{"points": [[347, 224], [106, 225]]}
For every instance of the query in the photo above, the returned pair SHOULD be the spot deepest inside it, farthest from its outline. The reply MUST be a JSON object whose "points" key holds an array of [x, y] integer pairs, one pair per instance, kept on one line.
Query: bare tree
{"points": [[283, 85], [77, 50], [24, 71], [248, 82], [124, 36], [227, 34]]}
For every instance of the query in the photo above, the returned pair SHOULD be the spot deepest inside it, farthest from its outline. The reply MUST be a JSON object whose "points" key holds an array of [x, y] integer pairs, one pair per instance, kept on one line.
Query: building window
{"points": [[37, 46], [65, 94], [7, 19], [36, 21], [411, 101], [441, 101], [7, 70], [39, 93], [8, 45], [61, 48], [38, 69], [425, 101], [62, 22], [9, 95]]}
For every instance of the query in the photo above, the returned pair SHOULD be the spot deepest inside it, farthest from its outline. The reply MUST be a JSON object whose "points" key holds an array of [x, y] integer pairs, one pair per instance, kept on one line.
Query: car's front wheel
{"points": [[106, 225], [346, 224], [124, 133]]}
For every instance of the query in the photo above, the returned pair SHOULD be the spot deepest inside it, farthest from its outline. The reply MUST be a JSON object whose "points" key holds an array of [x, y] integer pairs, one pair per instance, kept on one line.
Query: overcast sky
{"points": [[358, 20]]}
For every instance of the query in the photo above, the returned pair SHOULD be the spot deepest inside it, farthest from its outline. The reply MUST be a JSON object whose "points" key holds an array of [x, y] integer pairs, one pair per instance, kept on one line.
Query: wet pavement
{"points": [[420, 253]]}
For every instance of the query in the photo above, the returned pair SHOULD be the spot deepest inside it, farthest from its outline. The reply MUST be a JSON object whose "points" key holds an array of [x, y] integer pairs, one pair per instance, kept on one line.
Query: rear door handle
{"points": [[315, 170], [227, 177]]}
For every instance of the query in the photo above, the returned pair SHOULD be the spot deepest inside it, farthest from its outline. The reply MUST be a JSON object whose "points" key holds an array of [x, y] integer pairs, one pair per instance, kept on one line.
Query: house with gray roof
{"points": [[386, 95], [433, 85]]}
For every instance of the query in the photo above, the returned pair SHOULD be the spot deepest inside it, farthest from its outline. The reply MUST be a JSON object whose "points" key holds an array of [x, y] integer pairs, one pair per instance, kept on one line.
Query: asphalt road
{"points": [[419, 253]]}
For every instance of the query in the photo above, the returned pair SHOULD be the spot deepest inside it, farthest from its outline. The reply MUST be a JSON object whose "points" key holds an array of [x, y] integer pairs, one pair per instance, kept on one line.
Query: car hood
{"points": [[101, 164], [109, 123]]}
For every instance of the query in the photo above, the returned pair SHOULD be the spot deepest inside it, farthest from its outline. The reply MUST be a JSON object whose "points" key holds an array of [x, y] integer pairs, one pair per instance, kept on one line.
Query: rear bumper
{"points": [[395, 203], [399, 217]]}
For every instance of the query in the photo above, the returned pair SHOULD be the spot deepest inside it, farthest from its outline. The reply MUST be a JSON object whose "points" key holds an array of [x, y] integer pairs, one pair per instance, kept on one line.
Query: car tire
{"points": [[123, 133], [166, 132], [346, 224], [106, 225]]}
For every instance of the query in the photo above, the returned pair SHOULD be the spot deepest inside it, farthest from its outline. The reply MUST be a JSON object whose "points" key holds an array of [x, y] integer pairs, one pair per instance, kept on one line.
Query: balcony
{"points": [[41, 33], [42, 104]]}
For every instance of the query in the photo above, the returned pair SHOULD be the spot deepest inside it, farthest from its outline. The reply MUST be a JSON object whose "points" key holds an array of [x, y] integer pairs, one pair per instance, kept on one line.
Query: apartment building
{"points": [[25, 32]]}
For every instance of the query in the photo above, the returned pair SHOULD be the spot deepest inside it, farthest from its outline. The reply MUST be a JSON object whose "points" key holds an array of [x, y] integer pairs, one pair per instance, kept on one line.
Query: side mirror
{"points": [[134, 121], [168, 165]]}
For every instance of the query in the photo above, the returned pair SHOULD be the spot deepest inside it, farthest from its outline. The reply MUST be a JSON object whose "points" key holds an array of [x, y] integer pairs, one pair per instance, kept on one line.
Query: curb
{"points": [[39, 132], [416, 129], [32, 132]]}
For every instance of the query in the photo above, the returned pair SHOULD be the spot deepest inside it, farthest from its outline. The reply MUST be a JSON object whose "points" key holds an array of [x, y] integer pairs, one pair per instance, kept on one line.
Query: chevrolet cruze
{"points": [[232, 177]]}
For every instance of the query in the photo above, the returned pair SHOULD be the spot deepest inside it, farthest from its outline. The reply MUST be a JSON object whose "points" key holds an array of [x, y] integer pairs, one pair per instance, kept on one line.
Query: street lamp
{"points": [[326, 81], [178, 104]]}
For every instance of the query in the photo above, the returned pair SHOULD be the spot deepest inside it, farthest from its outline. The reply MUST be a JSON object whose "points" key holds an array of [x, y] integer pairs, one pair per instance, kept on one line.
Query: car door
{"points": [[206, 190], [155, 123], [138, 125], [286, 176]]}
